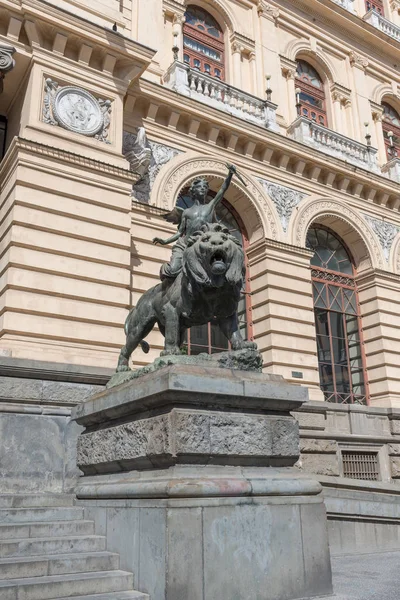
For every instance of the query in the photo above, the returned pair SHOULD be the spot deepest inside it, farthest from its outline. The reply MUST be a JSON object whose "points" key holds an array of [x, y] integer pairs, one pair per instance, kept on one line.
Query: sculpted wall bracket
{"points": [[76, 110], [7, 63], [284, 198], [146, 158]]}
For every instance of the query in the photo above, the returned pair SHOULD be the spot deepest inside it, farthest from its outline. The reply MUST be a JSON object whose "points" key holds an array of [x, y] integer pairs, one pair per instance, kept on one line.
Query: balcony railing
{"points": [[376, 20], [335, 144], [347, 4], [392, 169], [218, 94]]}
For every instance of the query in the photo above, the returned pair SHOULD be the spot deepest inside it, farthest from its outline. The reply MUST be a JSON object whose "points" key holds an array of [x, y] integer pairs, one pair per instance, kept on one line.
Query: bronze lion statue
{"points": [[208, 287]]}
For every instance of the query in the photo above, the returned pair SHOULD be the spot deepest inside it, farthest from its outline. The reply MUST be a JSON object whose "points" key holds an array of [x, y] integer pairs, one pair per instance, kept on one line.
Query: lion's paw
{"points": [[169, 351], [122, 368]]}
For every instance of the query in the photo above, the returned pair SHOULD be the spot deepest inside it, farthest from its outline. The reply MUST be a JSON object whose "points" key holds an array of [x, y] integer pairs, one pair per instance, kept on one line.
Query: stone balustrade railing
{"points": [[346, 4], [392, 169], [384, 25], [218, 94], [335, 144]]}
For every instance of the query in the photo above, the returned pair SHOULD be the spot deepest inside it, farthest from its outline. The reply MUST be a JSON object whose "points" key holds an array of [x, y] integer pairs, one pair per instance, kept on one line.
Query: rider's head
{"points": [[199, 189]]}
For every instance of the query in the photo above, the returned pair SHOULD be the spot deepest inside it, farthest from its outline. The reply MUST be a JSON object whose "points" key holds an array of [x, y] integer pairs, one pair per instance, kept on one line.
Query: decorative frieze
{"points": [[386, 232], [284, 198], [147, 159], [76, 110]]}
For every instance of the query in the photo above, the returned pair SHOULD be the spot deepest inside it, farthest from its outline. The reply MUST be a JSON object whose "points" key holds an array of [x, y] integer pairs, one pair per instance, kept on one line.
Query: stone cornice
{"points": [[122, 57], [269, 147], [333, 14], [21, 144]]}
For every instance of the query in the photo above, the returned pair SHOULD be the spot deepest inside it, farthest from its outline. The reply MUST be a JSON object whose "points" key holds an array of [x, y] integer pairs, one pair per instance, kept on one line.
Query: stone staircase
{"points": [[49, 551]]}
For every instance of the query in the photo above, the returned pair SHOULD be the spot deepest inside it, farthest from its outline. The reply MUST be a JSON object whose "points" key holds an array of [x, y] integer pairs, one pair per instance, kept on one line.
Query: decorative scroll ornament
{"points": [[357, 60], [76, 110], [146, 158], [386, 232], [284, 198], [7, 63]]}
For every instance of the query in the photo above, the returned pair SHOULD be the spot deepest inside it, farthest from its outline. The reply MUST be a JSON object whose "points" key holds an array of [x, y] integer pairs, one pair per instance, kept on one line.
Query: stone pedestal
{"points": [[189, 472]]}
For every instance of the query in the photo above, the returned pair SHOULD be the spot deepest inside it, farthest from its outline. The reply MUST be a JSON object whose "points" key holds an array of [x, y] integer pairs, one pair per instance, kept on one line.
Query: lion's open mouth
{"points": [[217, 262]]}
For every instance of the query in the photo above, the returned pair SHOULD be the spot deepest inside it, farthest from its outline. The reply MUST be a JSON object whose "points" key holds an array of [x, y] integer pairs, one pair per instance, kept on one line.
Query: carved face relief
{"points": [[78, 111]]}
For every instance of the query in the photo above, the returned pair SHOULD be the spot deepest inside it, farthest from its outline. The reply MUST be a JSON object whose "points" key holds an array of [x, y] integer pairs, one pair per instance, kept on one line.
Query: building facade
{"points": [[111, 108]]}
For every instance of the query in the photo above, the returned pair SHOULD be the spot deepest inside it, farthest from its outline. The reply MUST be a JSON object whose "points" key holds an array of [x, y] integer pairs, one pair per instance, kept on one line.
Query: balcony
{"points": [[376, 20], [335, 144], [218, 94], [347, 5], [392, 169]]}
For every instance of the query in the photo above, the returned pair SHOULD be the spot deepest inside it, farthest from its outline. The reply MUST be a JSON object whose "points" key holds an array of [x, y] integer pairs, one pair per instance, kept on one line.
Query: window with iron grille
{"points": [[337, 319], [360, 465]]}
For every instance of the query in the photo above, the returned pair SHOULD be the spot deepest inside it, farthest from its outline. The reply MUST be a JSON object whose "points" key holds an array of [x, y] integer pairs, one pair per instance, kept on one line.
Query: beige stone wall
{"points": [[76, 248]]}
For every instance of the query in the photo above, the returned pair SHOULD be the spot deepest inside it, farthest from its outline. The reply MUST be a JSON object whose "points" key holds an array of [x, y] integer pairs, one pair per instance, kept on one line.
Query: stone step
{"points": [[53, 545], [39, 566], [38, 529], [69, 586], [113, 596], [27, 515], [36, 500]]}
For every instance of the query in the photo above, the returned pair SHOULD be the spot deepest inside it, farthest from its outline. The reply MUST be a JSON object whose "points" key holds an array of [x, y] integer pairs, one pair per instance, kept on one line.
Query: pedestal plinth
{"points": [[189, 472]]}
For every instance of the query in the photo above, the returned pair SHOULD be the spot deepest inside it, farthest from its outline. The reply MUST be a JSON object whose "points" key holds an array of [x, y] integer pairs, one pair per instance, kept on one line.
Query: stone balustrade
{"points": [[384, 25], [333, 143], [392, 169], [346, 4], [218, 94]]}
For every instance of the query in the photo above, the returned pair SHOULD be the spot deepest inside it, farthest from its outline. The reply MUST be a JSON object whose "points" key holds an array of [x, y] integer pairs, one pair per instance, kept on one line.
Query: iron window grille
{"points": [[360, 465]]}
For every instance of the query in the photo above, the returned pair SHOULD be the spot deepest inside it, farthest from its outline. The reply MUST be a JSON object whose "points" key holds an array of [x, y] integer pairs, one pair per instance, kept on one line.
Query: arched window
{"points": [[391, 130], [376, 5], [203, 42], [312, 94], [337, 319], [208, 338]]}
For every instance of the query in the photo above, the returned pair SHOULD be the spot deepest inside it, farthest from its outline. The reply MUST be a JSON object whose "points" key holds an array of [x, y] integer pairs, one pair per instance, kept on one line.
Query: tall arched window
{"points": [[208, 338], [391, 125], [376, 5], [203, 42], [312, 94], [337, 319]]}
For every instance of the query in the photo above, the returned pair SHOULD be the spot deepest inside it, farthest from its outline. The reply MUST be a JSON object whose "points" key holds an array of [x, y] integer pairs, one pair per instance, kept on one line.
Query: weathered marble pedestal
{"points": [[189, 472]]}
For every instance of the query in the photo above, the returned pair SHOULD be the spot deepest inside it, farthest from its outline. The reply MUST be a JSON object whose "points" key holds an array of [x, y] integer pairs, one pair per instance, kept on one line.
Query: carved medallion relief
{"points": [[76, 110]]}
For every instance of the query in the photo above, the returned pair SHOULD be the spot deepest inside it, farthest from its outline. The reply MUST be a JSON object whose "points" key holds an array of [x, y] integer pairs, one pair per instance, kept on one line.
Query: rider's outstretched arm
{"points": [[217, 199]]}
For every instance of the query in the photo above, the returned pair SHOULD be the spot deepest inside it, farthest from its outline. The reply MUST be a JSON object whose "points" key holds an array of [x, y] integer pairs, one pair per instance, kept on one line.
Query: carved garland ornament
{"points": [[284, 198], [184, 172], [386, 232], [76, 110], [339, 211]]}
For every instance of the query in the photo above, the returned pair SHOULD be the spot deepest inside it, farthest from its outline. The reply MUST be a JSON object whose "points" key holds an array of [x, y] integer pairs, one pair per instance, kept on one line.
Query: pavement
{"points": [[366, 576]]}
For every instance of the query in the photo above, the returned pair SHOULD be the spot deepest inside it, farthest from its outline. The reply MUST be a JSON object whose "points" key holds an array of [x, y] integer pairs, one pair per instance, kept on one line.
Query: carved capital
{"points": [[357, 60], [376, 111], [340, 94], [289, 67]]}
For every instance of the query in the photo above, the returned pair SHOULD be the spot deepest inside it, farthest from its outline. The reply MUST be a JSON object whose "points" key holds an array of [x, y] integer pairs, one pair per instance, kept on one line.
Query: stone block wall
{"points": [[38, 438]]}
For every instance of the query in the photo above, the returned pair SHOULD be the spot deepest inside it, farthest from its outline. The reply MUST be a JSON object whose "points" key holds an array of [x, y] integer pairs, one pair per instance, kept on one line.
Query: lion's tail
{"points": [[145, 346]]}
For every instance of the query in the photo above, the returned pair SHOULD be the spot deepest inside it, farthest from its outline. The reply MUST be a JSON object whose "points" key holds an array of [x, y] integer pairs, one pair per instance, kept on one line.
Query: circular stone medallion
{"points": [[78, 111]]}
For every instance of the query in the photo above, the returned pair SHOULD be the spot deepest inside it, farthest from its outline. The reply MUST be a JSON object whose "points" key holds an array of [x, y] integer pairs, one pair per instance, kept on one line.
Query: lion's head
{"points": [[214, 257]]}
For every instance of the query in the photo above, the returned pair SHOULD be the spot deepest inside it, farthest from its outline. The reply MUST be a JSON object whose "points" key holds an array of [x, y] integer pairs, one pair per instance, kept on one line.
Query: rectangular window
{"points": [[360, 465], [376, 5]]}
